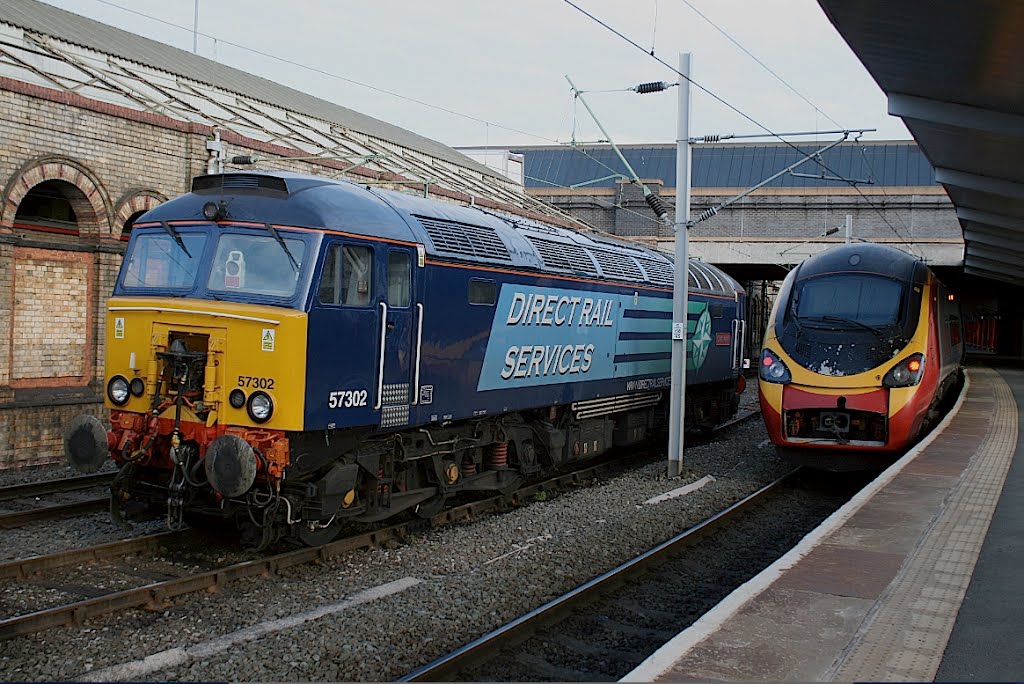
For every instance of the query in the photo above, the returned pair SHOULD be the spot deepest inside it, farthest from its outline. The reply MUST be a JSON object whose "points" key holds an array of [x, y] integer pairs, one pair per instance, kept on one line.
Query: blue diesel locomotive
{"points": [[284, 352]]}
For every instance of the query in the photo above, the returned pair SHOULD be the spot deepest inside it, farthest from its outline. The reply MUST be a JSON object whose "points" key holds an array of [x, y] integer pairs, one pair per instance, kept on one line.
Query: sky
{"points": [[472, 73]]}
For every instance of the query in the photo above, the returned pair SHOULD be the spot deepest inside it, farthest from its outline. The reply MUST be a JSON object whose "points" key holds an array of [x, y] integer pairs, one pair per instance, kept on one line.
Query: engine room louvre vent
{"points": [[658, 272], [563, 256], [619, 266], [465, 239], [238, 181]]}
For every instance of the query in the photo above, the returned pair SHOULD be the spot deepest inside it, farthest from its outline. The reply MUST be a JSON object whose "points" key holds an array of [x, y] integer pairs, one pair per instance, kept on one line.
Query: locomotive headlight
{"points": [[117, 390], [906, 373], [260, 407], [772, 369]]}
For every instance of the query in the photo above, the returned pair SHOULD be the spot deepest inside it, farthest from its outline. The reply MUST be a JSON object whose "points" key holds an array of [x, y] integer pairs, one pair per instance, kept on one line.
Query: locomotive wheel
{"points": [[319, 535], [431, 507]]}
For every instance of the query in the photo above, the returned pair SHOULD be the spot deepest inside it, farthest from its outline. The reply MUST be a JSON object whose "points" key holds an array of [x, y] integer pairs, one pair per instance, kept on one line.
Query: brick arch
{"points": [[91, 204], [132, 202]]}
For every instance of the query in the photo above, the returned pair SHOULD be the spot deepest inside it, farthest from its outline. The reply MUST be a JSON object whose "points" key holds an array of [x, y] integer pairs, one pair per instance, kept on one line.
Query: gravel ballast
{"points": [[459, 582]]}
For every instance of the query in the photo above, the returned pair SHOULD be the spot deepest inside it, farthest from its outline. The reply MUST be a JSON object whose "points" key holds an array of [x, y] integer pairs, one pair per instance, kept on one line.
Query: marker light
{"points": [[772, 369], [237, 398], [906, 373], [138, 386]]}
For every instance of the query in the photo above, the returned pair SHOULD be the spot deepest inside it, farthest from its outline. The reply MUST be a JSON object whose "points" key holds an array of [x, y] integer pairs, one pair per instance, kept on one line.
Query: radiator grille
{"points": [[464, 239], [564, 256], [238, 181], [658, 272], [619, 266]]}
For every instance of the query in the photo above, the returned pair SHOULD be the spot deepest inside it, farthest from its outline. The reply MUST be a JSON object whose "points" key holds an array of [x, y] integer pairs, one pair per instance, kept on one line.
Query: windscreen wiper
{"points": [[280, 241], [851, 321], [177, 238]]}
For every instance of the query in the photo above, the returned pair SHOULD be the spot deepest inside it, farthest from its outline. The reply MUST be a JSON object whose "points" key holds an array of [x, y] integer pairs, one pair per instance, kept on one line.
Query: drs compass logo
{"points": [[700, 339]]}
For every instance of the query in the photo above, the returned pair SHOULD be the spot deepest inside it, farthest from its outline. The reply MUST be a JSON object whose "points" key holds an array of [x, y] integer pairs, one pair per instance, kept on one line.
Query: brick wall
{"points": [[54, 288]]}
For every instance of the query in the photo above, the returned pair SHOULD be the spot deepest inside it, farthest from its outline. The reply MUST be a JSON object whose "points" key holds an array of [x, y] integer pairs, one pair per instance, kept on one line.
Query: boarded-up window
{"points": [[51, 326]]}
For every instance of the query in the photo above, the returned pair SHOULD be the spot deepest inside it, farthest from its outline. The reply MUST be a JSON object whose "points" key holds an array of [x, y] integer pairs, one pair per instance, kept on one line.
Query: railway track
{"points": [[604, 628], [26, 499], [189, 576], [109, 564]]}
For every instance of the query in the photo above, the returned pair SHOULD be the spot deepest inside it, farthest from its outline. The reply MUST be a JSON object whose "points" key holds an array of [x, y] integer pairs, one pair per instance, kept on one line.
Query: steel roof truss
{"points": [[976, 234], [956, 115], [1014, 258], [992, 265], [974, 181]]}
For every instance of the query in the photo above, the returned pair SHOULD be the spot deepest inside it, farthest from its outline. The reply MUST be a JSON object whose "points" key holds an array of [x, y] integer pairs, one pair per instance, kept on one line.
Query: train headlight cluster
{"points": [[772, 369], [118, 390], [260, 407], [906, 373]]}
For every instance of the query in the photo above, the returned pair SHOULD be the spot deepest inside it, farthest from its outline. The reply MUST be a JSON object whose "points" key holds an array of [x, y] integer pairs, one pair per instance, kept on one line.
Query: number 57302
{"points": [[346, 399]]}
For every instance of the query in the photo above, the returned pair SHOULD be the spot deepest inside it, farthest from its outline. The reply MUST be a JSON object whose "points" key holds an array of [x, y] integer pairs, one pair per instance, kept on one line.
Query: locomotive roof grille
{"points": [[619, 266], [464, 239], [658, 272], [563, 256], [238, 181]]}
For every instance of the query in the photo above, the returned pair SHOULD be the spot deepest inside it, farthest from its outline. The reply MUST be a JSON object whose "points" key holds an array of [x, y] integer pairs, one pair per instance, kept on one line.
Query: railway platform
{"points": [[915, 579]]}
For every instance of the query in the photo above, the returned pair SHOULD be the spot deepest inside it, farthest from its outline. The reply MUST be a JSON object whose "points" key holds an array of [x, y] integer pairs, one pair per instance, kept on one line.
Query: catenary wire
{"points": [[763, 65], [743, 114]]}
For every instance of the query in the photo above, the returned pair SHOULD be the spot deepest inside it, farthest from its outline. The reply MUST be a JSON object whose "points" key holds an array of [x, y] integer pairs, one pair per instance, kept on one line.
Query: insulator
{"points": [[243, 159], [657, 205], [713, 138], [707, 213], [652, 87]]}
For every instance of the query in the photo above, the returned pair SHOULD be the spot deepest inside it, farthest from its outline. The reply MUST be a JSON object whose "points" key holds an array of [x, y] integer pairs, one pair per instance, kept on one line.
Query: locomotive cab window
{"points": [[484, 292], [257, 264], [346, 275], [399, 278], [156, 261]]}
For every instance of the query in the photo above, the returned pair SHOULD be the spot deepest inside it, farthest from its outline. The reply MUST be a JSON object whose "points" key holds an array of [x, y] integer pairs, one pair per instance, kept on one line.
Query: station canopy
{"points": [[953, 70]]}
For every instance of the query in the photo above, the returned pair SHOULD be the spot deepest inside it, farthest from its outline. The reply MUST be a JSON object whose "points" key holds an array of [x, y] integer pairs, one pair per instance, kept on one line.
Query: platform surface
{"points": [[918, 577]]}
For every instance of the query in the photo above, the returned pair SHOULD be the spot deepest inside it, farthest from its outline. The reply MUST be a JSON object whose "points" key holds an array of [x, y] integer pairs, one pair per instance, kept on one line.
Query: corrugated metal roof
{"points": [[728, 165], [39, 17]]}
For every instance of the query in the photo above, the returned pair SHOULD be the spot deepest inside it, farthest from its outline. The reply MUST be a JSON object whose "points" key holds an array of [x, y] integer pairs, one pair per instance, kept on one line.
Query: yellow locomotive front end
{"points": [[197, 391], [205, 369]]}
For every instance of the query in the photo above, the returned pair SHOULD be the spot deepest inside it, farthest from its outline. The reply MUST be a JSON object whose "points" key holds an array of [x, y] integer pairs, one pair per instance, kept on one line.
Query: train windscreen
{"points": [[239, 264], [845, 323], [860, 300]]}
